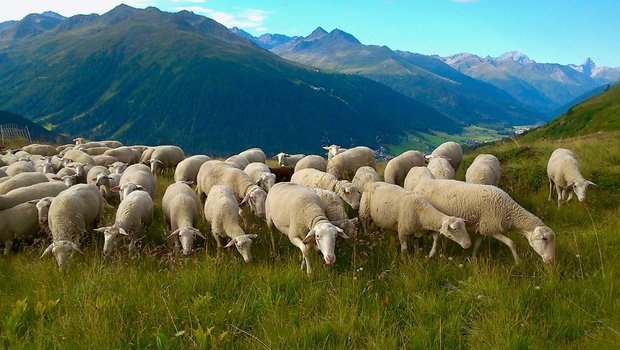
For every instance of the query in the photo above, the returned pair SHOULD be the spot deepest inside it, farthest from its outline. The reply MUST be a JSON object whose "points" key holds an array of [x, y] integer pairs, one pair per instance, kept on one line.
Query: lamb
{"points": [[285, 159], [166, 157], [124, 154], [417, 174], [261, 175], [397, 168], [43, 150], [22, 180], [297, 211], [21, 221], [181, 210], [450, 150], [25, 194], [79, 156], [364, 176], [314, 178], [312, 162], [440, 168], [21, 166], [335, 213], [282, 173], [393, 208], [485, 170], [333, 150], [187, 169], [133, 217], [254, 155], [238, 162], [489, 211], [222, 212], [70, 213], [136, 177], [564, 172], [344, 165]]}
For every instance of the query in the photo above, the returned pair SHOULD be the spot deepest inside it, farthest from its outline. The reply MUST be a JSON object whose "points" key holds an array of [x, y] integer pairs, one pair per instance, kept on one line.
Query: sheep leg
{"points": [[217, 240], [570, 195], [299, 243], [8, 245], [510, 243], [560, 194], [477, 243], [550, 189], [273, 241], [402, 237], [435, 236]]}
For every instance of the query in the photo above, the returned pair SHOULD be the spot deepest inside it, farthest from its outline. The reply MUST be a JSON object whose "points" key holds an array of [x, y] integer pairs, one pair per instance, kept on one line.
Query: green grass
{"points": [[370, 299]]}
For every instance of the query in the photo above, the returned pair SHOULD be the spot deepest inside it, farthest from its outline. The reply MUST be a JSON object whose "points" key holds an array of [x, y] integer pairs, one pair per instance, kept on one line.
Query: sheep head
{"points": [[62, 250], [244, 245], [581, 188], [454, 228], [349, 193], [256, 197], [324, 235], [186, 236], [111, 235], [542, 240]]}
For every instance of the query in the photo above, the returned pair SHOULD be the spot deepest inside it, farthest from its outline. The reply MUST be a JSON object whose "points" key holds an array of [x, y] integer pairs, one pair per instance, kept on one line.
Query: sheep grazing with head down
{"points": [[311, 162], [440, 168], [136, 177], [260, 175], [181, 209], [365, 176], [254, 155], [165, 157], [236, 161], [22, 180], [451, 151], [417, 174], [19, 222], [297, 211], [315, 178], [28, 193], [485, 170], [397, 168], [564, 172], [344, 165], [187, 169], [335, 212]]}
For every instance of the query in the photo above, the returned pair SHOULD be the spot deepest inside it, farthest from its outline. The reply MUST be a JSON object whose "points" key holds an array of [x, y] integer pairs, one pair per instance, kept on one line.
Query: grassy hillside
{"points": [[37, 133], [371, 298]]}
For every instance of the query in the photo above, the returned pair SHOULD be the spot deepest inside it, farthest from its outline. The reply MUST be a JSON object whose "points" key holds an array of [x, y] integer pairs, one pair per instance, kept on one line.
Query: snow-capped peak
{"points": [[516, 56]]}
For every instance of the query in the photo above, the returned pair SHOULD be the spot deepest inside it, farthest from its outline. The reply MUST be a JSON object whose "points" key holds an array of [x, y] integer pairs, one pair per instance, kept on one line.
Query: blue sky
{"points": [[559, 31]]}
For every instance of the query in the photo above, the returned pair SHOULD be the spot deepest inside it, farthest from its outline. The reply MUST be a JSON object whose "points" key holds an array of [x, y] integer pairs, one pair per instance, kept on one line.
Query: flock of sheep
{"points": [[63, 191]]}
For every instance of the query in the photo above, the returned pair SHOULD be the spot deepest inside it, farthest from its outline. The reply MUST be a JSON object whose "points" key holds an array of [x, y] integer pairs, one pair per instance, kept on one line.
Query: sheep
{"points": [[344, 165], [104, 160], [117, 167], [25, 194], [285, 159], [98, 176], [146, 154], [417, 174], [166, 157], [450, 150], [314, 178], [111, 143], [136, 177], [43, 207], [187, 169], [124, 154], [79, 156], [43, 150], [80, 140], [564, 172], [70, 214], [364, 176], [21, 222], [63, 148], [238, 162], [97, 151], [81, 171], [282, 173], [260, 175], [313, 162], [133, 217], [181, 210], [217, 173], [397, 168], [333, 150], [484, 170], [489, 211], [19, 167], [297, 211], [222, 212], [254, 155], [22, 180], [440, 168], [335, 213], [393, 208]]}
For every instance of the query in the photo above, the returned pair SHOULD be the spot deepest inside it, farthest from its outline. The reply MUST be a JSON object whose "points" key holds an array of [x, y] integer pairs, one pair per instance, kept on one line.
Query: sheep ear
{"points": [[245, 199], [101, 229], [326, 148], [340, 232], [122, 232], [231, 243], [140, 188], [56, 178], [47, 250], [309, 236], [252, 236], [175, 232], [34, 201], [199, 234], [115, 189], [591, 183], [75, 247]]}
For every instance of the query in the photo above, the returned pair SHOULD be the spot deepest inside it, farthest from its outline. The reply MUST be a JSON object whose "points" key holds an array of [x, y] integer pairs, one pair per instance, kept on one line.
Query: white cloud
{"points": [[247, 18], [19, 9]]}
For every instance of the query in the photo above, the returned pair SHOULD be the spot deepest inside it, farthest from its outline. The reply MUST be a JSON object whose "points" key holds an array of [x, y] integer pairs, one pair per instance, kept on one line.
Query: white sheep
{"points": [[22, 180], [450, 150], [335, 212], [297, 211], [333, 150], [564, 172], [315, 178], [344, 165], [124, 154], [397, 168], [417, 174], [489, 211], [96, 151], [484, 170], [43, 207], [112, 143], [237, 161], [166, 157], [104, 160], [43, 150], [145, 157], [222, 212], [260, 175], [21, 166], [99, 176], [181, 209], [136, 177], [285, 159], [28, 193], [364, 176], [70, 214], [393, 208], [440, 168], [79, 156], [133, 217], [187, 169], [254, 155], [117, 167], [20, 222], [312, 162]]}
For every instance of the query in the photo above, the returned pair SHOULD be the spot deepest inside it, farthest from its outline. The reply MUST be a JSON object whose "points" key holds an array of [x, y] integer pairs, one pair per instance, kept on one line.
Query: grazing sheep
{"points": [[489, 211], [98, 176], [297, 211], [146, 154], [417, 174], [393, 208], [70, 214], [282, 173], [28, 193], [254, 155], [79, 156], [260, 175], [136, 177], [564, 172], [43, 207], [314, 178], [63, 148], [21, 221], [104, 160], [222, 212], [187, 169], [43, 150], [335, 213], [364, 176], [484, 170], [312, 162], [333, 150], [397, 168], [111, 143], [117, 167], [96, 151], [22, 180], [285, 159], [181, 209], [440, 168], [344, 165], [19, 167], [133, 217], [124, 154], [238, 162], [166, 157], [450, 150]]}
